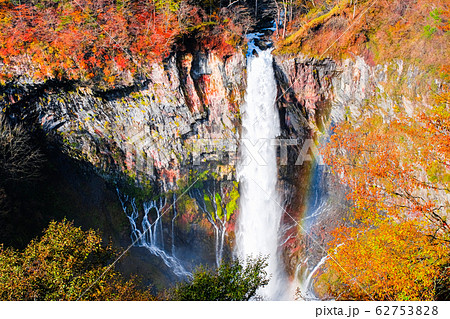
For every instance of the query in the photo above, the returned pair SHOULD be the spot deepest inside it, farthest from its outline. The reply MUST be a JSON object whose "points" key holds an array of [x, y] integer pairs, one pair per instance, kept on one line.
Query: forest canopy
{"points": [[109, 42]]}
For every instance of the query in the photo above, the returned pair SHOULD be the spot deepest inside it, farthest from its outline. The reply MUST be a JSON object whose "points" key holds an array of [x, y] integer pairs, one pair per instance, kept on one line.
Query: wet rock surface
{"points": [[148, 132]]}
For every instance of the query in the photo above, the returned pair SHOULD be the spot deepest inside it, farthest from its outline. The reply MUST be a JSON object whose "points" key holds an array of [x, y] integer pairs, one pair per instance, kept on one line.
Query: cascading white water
{"points": [[260, 210], [306, 288], [218, 223], [172, 233], [151, 237]]}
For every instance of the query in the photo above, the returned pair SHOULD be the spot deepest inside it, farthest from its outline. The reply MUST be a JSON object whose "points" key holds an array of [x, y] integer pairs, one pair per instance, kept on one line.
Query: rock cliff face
{"points": [[147, 131], [319, 92], [304, 100]]}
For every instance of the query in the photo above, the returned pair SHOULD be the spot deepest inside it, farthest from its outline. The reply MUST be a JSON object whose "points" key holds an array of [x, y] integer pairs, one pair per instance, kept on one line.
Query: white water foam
{"points": [[260, 212]]}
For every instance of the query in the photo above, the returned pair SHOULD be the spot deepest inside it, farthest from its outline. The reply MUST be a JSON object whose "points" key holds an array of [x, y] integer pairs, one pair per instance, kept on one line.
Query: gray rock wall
{"points": [[149, 132]]}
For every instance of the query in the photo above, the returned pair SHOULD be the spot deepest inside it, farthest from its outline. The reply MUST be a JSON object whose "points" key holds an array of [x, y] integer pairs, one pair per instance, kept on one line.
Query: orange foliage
{"points": [[397, 168], [414, 31], [389, 262], [90, 40]]}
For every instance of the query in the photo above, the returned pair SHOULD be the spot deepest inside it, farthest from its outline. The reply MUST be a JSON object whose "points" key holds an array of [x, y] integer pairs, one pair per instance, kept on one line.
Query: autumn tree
{"points": [[104, 42], [387, 261], [66, 263], [396, 167]]}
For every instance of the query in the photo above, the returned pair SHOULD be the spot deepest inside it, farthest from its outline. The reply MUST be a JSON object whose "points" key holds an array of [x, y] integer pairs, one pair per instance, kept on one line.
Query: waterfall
{"points": [[260, 209], [218, 223], [151, 237], [319, 206], [306, 288], [172, 233]]}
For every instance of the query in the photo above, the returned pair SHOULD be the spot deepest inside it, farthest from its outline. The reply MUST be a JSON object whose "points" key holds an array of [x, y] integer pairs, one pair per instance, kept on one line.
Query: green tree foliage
{"points": [[230, 282], [65, 264]]}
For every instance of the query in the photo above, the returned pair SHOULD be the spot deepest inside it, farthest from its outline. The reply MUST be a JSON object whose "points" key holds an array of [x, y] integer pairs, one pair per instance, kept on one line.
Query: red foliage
{"points": [[100, 40], [83, 40]]}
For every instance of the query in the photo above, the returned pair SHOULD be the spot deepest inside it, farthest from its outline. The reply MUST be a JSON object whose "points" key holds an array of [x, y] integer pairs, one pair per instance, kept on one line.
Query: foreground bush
{"points": [[230, 282], [67, 263]]}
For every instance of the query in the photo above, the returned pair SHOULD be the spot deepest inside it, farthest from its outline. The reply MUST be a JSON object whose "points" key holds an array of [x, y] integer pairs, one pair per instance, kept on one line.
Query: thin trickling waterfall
{"points": [[318, 206], [306, 287], [172, 233], [260, 210], [151, 236], [218, 223]]}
